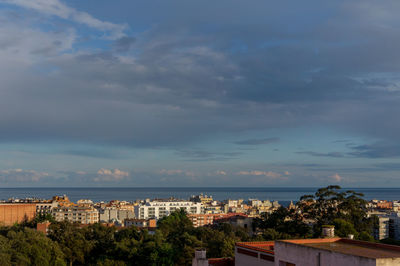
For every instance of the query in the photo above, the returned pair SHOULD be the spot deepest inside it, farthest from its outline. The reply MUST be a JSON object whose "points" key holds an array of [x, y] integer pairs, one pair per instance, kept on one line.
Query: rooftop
{"points": [[339, 245], [263, 246], [350, 247]]}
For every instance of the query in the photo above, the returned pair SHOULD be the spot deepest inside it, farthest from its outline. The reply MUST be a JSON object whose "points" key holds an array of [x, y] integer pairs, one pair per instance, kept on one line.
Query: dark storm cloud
{"points": [[321, 154], [124, 44], [201, 155], [194, 74], [257, 141], [376, 150]]}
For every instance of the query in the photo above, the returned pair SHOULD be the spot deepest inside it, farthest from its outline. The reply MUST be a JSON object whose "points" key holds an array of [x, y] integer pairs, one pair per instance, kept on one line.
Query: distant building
{"points": [[384, 205], [63, 201], [43, 227], [199, 220], [239, 220], [11, 213], [394, 225], [202, 199], [159, 209], [46, 207], [75, 214], [111, 214], [141, 223], [382, 229]]}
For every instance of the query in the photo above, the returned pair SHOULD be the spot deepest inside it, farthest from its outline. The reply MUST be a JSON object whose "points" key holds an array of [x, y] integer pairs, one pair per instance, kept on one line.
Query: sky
{"points": [[97, 93]]}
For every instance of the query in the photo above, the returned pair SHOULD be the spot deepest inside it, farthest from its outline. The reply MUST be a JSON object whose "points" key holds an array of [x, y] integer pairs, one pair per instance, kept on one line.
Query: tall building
{"points": [[382, 230], [159, 209]]}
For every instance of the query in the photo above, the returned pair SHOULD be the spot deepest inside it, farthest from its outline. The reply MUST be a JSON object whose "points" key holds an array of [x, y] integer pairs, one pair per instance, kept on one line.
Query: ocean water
{"points": [[282, 194]]}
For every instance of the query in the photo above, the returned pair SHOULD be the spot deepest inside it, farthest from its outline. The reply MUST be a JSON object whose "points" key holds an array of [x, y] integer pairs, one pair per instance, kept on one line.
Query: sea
{"points": [[281, 194]]}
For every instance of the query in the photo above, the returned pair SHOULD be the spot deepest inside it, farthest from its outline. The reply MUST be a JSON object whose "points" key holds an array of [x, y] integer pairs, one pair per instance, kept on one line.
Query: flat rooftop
{"points": [[350, 247]]}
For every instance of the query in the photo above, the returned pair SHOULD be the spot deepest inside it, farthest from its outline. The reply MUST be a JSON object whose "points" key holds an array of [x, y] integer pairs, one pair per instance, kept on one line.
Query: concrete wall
{"points": [[308, 256], [388, 262], [16, 213], [247, 259]]}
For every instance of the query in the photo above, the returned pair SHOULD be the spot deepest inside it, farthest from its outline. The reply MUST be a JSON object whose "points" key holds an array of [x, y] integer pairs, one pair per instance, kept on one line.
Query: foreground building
{"points": [[319, 252]]}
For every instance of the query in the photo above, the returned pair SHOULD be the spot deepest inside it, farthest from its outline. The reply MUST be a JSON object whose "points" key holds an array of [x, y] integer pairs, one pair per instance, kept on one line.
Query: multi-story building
{"points": [[201, 219], [11, 213], [202, 199], [382, 229], [46, 207], [396, 205], [76, 214], [159, 209], [394, 225], [111, 214], [141, 223]]}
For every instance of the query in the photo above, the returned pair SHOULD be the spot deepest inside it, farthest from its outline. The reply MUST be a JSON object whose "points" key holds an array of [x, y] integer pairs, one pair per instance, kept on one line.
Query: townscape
{"points": [[228, 232], [201, 210]]}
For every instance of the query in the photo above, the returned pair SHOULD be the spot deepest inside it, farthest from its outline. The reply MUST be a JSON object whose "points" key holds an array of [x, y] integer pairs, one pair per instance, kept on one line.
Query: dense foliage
{"points": [[175, 240], [70, 244], [346, 210]]}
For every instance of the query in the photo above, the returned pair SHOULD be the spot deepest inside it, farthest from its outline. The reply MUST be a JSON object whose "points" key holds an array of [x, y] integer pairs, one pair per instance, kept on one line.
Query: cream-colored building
{"points": [[76, 214]]}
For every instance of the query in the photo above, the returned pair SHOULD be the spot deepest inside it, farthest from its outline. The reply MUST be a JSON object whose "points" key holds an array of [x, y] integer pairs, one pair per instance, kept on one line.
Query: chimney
{"points": [[328, 231], [200, 258]]}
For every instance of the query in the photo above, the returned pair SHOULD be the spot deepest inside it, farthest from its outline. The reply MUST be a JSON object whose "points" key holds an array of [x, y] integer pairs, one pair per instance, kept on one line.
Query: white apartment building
{"points": [[45, 207], [74, 214], [159, 209]]}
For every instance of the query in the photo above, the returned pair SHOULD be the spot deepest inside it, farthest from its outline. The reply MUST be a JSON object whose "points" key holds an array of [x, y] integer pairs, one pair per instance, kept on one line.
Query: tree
{"points": [[331, 203], [178, 229], [283, 224], [71, 240], [344, 228]]}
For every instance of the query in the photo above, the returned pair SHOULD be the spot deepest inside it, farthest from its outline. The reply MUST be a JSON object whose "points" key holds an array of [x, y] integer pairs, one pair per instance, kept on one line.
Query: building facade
{"points": [[318, 252], [76, 214], [11, 213], [160, 209]]}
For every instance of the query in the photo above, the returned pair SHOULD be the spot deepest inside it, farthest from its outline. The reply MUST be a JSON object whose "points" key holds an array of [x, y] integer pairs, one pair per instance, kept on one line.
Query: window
{"points": [[285, 263]]}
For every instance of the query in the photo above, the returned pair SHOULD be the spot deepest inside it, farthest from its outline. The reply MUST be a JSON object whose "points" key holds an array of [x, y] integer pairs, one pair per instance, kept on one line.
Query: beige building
{"points": [[140, 223], [75, 214]]}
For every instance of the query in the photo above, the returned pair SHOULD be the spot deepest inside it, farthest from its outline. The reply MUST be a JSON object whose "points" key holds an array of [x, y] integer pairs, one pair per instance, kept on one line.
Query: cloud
{"points": [[183, 83], [336, 177], [270, 174], [376, 150], [110, 175], [257, 141], [124, 44], [21, 175], [59, 9], [320, 154], [177, 172], [202, 155]]}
